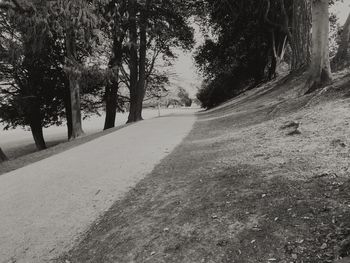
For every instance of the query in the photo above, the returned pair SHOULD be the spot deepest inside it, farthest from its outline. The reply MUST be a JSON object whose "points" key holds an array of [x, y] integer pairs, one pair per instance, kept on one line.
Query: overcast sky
{"points": [[186, 70], [342, 9]]}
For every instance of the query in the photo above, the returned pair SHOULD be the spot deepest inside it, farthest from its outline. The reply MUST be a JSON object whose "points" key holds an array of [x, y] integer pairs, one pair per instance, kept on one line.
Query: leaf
{"points": [[324, 246]]}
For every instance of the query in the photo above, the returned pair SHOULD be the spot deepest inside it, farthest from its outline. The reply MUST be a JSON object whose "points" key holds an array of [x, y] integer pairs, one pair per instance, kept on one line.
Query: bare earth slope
{"points": [[240, 189], [46, 205]]}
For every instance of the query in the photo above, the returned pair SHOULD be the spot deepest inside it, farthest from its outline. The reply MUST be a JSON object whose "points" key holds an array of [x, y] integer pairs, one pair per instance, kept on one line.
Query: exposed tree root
{"points": [[317, 81], [276, 108], [315, 96]]}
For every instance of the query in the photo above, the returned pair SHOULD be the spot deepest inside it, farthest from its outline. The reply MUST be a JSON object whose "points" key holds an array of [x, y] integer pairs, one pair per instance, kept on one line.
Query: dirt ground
{"points": [[240, 188]]}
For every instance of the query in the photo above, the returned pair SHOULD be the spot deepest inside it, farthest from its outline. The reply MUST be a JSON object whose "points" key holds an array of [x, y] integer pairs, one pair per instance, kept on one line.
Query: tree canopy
{"points": [[61, 60]]}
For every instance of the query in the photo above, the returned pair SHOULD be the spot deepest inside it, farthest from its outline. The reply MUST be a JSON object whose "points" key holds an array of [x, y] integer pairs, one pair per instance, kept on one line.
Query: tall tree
{"points": [[28, 67], [293, 26], [342, 58], [133, 62], [150, 23], [278, 28], [77, 22], [250, 40], [319, 70], [141, 84], [116, 13]]}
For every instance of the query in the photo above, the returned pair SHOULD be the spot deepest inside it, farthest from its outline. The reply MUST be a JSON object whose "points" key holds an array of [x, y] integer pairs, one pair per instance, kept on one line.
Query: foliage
{"points": [[29, 76], [34, 59], [219, 90], [334, 35], [239, 50], [184, 97]]}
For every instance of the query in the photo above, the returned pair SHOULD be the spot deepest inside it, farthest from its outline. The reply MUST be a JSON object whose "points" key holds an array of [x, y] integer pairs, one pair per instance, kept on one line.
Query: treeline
{"points": [[61, 60], [253, 41]]}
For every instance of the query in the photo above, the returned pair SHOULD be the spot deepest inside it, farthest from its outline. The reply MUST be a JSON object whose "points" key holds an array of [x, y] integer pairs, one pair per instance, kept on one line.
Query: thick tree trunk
{"points": [[133, 64], [111, 95], [38, 136], [73, 76], [137, 96], [342, 58], [135, 106], [111, 105], [301, 34], [3, 157], [319, 71], [74, 88], [33, 116]]}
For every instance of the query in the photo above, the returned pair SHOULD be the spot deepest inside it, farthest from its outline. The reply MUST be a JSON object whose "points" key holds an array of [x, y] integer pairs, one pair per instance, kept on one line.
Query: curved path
{"points": [[45, 206]]}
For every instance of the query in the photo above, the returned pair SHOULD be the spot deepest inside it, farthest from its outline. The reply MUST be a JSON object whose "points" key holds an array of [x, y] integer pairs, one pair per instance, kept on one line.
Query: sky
{"points": [[185, 69], [342, 10], [189, 78]]}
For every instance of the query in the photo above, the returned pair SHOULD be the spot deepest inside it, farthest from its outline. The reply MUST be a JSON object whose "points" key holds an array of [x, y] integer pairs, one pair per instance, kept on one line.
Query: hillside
{"points": [[262, 178]]}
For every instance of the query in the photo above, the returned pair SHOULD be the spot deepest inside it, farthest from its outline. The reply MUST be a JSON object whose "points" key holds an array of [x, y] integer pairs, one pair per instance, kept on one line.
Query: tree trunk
{"points": [[279, 44], [272, 68], [133, 64], [134, 111], [73, 75], [280, 33], [74, 88], [3, 157], [142, 59], [342, 58], [38, 136], [319, 71], [111, 105], [34, 120], [68, 110], [301, 34], [111, 95]]}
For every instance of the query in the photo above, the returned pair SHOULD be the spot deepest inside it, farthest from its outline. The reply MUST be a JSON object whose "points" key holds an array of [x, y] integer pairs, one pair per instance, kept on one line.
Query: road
{"points": [[46, 206]]}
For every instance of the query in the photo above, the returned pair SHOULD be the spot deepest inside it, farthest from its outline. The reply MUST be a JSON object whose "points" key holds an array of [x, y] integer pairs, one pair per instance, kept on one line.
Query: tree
{"points": [[292, 25], [138, 61], [184, 97], [301, 34], [76, 21], [319, 70], [28, 66], [278, 28], [249, 42], [342, 58], [153, 25], [116, 30], [135, 94], [44, 63]]}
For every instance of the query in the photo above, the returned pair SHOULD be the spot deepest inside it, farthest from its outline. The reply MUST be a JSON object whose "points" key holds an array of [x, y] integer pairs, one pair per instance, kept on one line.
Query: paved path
{"points": [[45, 206]]}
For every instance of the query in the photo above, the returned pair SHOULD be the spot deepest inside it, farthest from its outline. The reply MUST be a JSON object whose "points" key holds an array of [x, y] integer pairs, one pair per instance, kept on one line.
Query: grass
{"points": [[27, 153], [239, 189]]}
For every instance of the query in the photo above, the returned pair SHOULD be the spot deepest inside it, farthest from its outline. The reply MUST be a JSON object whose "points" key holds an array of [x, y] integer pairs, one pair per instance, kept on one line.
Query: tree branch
{"points": [[268, 21]]}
